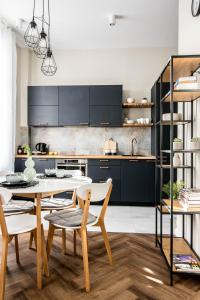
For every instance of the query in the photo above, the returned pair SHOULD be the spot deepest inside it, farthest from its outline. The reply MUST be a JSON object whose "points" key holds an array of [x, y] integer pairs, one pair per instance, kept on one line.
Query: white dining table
{"points": [[46, 188]]}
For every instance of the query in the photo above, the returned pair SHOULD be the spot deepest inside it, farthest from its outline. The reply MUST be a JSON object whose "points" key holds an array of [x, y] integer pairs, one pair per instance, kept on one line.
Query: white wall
{"points": [[189, 43]]}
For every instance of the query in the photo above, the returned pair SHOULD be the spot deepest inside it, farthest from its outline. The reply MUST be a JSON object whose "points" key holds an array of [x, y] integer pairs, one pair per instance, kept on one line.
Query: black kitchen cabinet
{"points": [[105, 116], [138, 182], [42, 95], [43, 115], [73, 105], [40, 164], [101, 172], [106, 95]]}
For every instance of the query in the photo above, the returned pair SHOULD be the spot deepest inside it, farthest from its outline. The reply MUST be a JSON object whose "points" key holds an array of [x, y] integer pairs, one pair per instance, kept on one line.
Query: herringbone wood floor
{"points": [[139, 272]]}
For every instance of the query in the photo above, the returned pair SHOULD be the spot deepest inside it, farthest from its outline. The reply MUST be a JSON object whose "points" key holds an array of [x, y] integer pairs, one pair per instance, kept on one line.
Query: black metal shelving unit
{"points": [[177, 66]]}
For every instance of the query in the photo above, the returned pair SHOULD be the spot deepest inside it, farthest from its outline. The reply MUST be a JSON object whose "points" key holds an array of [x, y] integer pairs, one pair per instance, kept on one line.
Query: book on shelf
{"points": [[189, 197], [186, 263]]}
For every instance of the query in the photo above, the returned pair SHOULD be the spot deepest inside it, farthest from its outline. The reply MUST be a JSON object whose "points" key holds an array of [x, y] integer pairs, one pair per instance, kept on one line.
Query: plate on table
{"points": [[14, 184]]}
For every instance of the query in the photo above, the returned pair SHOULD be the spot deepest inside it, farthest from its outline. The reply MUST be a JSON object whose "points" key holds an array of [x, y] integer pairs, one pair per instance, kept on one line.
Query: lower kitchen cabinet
{"points": [[137, 182], [40, 164], [100, 173]]}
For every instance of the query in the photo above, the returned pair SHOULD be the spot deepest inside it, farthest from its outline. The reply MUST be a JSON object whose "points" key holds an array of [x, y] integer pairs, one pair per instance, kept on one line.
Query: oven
{"points": [[73, 164]]}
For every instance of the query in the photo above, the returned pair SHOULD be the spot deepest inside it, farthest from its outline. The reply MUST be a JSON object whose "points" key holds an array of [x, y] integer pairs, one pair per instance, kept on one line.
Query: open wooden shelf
{"points": [[181, 151], [137, 125], [175, 123], [137, 105], [183, 66], [175, 167], [178, 209], [182, 95], [180, 246]]}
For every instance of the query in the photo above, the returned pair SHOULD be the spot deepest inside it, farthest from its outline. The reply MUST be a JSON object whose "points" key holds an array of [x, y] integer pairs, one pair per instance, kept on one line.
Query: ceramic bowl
{"points": [[12, 178], [130, 121], [130, 100]]}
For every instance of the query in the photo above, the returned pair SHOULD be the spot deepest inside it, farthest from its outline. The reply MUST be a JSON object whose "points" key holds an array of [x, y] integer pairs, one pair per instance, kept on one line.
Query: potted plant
{"points": [[177, 186], [29, 172], [177, 144], [195, 143]]}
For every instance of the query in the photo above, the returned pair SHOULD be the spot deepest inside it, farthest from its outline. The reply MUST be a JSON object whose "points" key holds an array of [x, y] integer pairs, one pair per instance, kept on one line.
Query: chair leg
{"points": [[74, 242], [64, 241], [44, 254], [3, 267], [106, 241], [31, 240], [50, 239], [17, 249], [85, 259]]}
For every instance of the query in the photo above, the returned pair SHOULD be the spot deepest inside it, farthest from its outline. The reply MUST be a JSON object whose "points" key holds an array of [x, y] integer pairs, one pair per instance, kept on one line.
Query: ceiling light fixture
{"points": [[31, 35], [40, 43], [49, 66]]}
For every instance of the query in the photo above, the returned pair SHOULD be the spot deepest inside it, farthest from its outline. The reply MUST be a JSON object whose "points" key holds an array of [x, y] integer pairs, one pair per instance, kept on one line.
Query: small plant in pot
{"points": [[195, 143], [177, 186], [178, 144]]}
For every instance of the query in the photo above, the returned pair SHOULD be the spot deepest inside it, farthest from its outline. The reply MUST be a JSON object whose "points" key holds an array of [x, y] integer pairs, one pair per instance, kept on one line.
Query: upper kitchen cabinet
{"points": [[106, 95], [105, 116], [73, 105], [42, 95]]}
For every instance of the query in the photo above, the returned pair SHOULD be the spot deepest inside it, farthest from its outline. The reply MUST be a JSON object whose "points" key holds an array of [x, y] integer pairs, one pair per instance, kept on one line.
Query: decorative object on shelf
{"points": [[176, 160], [176, 117], [29, 172], [130, 100], [19, 150], [144, 101], [177, 186], [31, 35], [195, 8], [40, 43], [195, 143], [178, 144], [129, 121]]}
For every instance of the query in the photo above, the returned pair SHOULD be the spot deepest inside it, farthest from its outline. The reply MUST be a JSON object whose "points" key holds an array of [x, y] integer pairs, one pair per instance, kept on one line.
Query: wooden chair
{"points": [[78, 219], [11, 226], [56, 204]]}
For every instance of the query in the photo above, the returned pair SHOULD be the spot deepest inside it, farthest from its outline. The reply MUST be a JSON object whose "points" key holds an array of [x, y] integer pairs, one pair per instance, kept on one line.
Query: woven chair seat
{"points": [[55, 203], [14, 207], [69, 218]]}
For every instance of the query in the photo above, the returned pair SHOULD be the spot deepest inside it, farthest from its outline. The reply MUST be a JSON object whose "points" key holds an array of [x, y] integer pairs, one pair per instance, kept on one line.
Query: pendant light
{"points": [[41, 48], [31, 35], [49, 67]]}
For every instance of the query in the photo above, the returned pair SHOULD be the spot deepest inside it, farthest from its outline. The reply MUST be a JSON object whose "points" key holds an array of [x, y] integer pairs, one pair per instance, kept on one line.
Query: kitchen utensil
{"points": [[110, 147], [42, 147], [13, 184]]}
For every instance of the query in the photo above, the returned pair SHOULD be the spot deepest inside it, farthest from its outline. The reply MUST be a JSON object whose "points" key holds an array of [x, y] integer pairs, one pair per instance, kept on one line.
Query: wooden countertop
{"points": [[150, 157]]}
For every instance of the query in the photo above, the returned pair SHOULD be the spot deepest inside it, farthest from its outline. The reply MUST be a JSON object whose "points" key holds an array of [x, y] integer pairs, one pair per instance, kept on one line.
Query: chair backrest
{"points": [[98, 191], [5, 197], [94, 192]]}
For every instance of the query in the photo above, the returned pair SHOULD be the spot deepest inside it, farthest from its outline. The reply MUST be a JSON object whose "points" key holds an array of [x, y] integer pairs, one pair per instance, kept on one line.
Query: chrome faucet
{"points": [[135, 142]]}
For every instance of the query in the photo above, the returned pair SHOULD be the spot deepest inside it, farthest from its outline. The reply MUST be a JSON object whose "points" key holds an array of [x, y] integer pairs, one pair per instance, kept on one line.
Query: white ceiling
{"points": [[83, 24]]}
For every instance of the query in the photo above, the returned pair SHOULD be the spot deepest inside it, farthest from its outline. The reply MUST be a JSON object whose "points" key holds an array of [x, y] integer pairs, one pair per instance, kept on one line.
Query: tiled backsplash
{"points": [[89, 140]]}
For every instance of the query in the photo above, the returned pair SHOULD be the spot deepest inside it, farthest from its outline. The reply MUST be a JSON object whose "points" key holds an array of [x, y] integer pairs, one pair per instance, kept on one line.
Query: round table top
{"points": [[52, 185]]}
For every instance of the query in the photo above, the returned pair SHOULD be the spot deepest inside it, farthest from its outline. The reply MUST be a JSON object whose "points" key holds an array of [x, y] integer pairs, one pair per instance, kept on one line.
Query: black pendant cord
{"points": [[49, 46], [33, 10], [43, 16]]}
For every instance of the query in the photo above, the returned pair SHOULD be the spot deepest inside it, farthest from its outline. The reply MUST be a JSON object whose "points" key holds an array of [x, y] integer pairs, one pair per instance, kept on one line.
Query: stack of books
{"points": [[190, 198], [186, 263], [187, 83]]}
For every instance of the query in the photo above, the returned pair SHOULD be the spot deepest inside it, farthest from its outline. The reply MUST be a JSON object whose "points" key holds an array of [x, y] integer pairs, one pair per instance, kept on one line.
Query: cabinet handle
{"points": [[83, 123], [104, 167], [24, 158], [103, 160], [133, 160], [43, 124], [43, 159], [102, 181], [105, 123]]}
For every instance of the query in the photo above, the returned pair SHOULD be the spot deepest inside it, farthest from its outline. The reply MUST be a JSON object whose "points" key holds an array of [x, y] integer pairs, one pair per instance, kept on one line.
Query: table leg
{"points": [[39, 241]]}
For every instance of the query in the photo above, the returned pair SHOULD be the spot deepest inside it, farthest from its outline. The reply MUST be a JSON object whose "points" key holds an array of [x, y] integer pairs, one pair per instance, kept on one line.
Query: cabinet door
{"points": [[43, 95], [102, 173], [106, 95], [19, 164], [43, 115], [105, 116], [137, 182], [73, 105], [44, 163]]}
